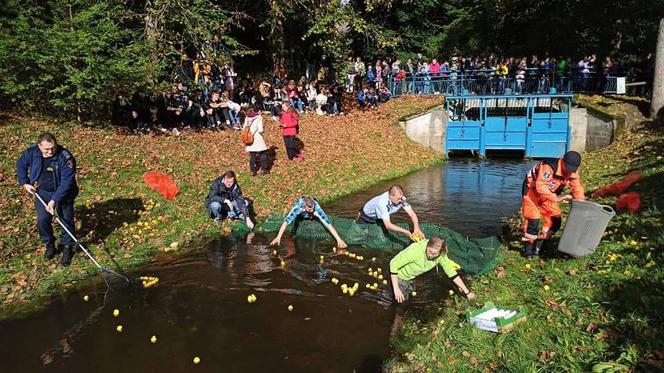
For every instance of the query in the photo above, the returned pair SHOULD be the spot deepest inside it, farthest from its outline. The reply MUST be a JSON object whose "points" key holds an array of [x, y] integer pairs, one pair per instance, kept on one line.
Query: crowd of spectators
{"points": [[207, 96], [533, 74]]}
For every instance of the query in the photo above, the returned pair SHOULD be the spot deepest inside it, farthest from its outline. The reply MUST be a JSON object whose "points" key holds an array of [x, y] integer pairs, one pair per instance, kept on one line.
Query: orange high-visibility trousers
{"points": [[533, 209]]}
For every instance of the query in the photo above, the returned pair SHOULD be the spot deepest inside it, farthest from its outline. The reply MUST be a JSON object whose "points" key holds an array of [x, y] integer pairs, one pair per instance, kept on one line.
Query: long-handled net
{"points": [[107, 274]]}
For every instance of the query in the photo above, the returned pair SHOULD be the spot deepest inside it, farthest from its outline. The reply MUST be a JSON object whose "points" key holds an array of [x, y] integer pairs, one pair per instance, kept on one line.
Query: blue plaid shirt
{"points": [[298, 210]]}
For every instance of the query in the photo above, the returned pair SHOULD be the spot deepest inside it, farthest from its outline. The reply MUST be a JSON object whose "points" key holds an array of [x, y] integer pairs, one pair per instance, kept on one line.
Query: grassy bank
{"points": [[126, 224], [602, 308]]}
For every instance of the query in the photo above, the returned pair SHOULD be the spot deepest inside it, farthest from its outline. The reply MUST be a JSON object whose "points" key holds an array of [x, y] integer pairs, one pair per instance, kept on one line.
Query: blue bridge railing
{"points": [[487, 82], [538, 125]]}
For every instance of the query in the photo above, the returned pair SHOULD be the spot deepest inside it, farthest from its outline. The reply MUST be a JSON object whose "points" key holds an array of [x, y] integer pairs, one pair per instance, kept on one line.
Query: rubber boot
{"points": [[538, 246], [528, 251], [67, 255], [50, 251]]}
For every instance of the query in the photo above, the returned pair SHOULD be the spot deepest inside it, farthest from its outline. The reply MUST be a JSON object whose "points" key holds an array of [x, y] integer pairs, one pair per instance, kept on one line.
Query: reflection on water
{"points": [[200, 307], [468, 196]]}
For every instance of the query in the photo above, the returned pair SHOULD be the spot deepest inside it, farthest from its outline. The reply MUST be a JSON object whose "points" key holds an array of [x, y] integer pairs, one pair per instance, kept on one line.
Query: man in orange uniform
{"points": [[542, 190]]}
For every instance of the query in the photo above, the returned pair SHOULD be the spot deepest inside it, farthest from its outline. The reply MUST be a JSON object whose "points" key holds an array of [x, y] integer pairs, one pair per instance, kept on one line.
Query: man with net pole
{"points": [[49, 170]]}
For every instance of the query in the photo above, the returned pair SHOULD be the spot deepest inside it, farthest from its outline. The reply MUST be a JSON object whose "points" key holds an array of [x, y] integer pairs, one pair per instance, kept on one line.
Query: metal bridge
{"points": [[538, 125]]}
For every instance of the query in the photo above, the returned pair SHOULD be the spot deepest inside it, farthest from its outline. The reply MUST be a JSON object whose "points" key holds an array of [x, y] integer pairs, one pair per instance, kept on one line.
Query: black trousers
{"points": [[65, 211], [291, 150], [253, 161]]}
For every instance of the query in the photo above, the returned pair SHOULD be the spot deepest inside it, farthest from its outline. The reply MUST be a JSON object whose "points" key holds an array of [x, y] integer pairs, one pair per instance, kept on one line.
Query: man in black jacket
{"points": [[225, 200]]}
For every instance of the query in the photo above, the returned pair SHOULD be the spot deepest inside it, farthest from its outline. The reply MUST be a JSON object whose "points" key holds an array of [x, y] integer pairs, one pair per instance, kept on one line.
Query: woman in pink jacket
{"points": [[289, 129]]}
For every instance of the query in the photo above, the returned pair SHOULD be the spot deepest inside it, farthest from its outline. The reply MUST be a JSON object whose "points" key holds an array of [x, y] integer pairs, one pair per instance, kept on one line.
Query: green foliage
{"points": [[68, 56], [174, 26]]}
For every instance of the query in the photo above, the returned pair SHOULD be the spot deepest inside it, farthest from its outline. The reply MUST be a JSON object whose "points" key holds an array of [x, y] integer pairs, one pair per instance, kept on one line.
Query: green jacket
{"points": [[412, 262]]}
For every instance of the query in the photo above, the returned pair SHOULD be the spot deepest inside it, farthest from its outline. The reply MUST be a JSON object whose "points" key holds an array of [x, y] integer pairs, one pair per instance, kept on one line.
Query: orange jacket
{"points": [[547, 180]]}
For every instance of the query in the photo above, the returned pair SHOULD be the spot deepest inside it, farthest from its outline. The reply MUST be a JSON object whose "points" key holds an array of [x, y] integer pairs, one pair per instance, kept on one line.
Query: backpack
{"points": [[246, 136]]}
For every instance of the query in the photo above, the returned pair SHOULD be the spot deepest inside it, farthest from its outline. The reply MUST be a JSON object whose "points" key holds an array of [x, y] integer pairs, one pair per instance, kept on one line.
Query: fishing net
{"points": [[629, 201], [476, 256], [620, 186], [162, 183]]}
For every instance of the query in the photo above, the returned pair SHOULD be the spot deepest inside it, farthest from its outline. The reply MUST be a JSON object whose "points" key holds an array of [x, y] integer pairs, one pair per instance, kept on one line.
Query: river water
{"points": [[200, 307]]}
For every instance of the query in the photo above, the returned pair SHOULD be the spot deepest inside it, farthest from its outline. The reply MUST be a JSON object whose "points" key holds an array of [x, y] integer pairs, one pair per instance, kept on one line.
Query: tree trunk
{"points": [[152, 34], [277, 43], [657, 103]]}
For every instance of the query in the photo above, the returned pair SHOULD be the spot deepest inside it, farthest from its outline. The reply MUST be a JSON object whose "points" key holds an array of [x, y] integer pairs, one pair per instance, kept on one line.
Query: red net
{"points": [[629, 201], [618, 187], [162, 183]]}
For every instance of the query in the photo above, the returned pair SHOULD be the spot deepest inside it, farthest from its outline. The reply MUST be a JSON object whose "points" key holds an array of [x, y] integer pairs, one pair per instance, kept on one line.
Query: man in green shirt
{"points": [[419, 258]]}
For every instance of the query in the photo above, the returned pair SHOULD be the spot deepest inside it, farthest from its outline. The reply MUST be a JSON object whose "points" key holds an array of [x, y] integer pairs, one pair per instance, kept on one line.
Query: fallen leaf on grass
{"points": [[546, 356], [473, 362], [551, 303], [591, 327]]}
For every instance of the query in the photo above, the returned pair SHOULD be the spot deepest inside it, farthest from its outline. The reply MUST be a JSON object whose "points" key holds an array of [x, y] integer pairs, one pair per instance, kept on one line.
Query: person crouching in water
{"points": [[225, 200], [418, 258], [307, 208]]}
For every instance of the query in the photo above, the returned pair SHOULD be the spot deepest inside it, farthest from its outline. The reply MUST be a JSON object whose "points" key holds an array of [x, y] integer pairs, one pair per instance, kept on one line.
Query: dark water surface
{"points": [[200, 306]]}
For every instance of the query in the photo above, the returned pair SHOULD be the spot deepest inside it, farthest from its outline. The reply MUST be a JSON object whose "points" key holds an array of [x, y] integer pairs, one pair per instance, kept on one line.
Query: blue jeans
{"points": [[235, 116], [65, 212], [221, 211], [296, 103]]}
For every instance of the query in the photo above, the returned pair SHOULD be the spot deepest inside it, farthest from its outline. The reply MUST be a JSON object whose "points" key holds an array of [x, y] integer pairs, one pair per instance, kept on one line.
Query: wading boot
{"points": [[528, 251], [538, 246], [67, 255], [50, 251]]}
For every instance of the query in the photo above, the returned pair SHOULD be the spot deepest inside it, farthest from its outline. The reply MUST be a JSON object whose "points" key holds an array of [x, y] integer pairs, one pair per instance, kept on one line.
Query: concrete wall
{"points": [[578, 120], [600, 131], [427, 129], [590, 129]]}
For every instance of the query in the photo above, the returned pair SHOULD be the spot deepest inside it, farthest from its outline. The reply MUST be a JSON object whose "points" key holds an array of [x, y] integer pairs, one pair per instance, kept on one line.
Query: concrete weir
{"points": [[538, 126]]}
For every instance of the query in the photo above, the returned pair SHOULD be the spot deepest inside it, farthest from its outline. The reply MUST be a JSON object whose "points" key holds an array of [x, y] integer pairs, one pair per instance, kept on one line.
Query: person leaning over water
{"points": [[49, 170], [418, 258], [379, 209], [308, 208]]}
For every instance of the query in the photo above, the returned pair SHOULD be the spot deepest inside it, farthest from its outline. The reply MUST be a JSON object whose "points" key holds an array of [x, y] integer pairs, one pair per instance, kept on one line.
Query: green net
{"points": [[476, 256]]}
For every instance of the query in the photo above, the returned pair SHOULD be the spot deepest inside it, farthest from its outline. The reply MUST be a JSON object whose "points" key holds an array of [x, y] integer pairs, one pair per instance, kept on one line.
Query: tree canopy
{"points": [[70, 57]]}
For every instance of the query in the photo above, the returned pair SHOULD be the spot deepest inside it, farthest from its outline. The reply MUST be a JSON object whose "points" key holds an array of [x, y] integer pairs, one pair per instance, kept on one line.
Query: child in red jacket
{"points": [[289, 129]]}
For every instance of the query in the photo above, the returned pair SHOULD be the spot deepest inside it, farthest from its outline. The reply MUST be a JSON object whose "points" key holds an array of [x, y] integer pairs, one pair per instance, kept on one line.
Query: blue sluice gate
{"points": [[538, 125]]}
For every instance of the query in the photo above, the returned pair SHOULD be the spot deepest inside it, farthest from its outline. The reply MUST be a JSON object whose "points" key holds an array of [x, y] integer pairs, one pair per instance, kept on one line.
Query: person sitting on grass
{"points": [[418, 258], [307, 208], [225, 200]]}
